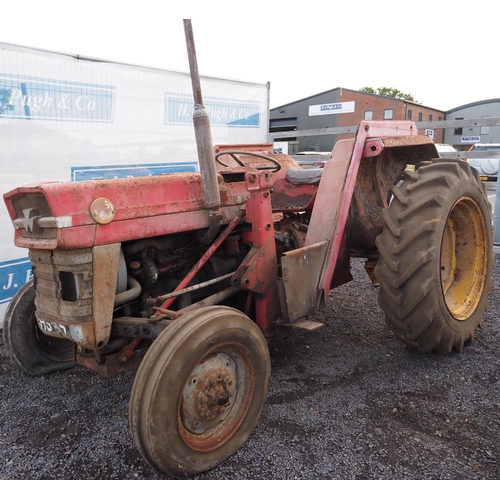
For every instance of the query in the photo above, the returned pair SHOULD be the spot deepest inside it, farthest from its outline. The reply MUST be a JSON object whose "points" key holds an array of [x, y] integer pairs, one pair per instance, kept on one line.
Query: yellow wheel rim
{"points": [[464, 258]]}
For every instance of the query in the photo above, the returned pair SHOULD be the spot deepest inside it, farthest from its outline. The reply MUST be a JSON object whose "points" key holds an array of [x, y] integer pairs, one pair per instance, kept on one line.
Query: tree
{"points": [[388, 92]]}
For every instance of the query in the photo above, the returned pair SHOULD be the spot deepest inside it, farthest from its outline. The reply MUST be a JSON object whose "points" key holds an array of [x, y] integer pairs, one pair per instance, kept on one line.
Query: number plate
{"points": [[52, 328]]}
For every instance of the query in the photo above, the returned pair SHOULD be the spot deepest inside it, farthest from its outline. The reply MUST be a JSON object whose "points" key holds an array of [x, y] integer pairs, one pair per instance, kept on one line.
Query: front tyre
{"points": [[436, 256], [31, 350], [199, 391]]}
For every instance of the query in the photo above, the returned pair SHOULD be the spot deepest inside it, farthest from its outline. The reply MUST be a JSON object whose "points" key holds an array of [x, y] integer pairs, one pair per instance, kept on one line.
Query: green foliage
{"points": [[369, 90], [388, 92]]}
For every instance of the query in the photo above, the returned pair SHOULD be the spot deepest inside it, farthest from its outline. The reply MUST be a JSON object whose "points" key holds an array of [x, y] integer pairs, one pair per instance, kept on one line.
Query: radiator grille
{"points": [[63, 284]]}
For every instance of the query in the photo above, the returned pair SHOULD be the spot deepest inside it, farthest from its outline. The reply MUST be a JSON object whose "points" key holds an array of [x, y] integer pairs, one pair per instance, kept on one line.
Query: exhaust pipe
{"points": [[204, 144]]}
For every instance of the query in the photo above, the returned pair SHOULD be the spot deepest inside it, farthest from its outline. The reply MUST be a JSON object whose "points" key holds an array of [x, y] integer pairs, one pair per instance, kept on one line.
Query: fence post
{"points": [[496, 218]]}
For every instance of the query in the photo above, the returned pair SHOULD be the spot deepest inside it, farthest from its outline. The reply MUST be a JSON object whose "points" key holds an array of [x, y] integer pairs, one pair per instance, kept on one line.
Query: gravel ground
{"points": [[345, 402]]}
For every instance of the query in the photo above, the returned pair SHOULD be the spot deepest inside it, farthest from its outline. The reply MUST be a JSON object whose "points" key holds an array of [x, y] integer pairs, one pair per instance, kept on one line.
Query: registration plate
{"points": [[52, 328]]}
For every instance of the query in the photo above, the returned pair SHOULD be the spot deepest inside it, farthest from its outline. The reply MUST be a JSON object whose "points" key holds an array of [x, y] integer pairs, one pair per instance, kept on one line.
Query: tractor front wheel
{"points": [[31, 350], [436, 256], [199, 391]]}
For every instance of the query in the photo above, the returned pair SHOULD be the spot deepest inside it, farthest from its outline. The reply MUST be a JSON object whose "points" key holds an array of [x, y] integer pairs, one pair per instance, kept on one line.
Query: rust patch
{"points": [[406, 140], [302, 270], [288, 196], [113, 364], [105, 269]]}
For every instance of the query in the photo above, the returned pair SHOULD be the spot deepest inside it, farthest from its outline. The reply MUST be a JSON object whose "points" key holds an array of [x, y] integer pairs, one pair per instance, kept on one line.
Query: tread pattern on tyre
{"points": [[171, 456], [19, 344], [409, 255]]}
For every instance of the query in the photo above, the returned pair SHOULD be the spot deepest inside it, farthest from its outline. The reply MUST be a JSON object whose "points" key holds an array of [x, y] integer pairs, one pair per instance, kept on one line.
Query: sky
{"points": [[444, 53]]}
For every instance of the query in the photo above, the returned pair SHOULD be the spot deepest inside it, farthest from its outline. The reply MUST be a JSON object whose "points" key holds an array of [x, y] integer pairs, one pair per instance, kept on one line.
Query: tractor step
{"points": [[284, 330], [306, 324]]}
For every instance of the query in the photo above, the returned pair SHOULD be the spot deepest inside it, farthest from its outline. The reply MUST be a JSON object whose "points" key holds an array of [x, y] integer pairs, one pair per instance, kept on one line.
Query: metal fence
{"points": [[483, 122]]}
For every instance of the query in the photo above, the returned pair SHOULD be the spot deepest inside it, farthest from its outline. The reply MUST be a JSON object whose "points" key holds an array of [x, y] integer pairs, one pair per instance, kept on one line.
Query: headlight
{"points": [[102, 211]]}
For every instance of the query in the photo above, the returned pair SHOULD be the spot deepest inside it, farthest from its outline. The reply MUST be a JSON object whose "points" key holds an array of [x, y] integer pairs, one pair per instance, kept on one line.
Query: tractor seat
{"points": [[303, 176]]}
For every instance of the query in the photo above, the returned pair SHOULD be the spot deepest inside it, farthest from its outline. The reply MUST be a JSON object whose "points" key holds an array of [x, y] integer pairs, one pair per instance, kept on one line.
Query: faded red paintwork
{"points": [[147, 207], [259, 271]]}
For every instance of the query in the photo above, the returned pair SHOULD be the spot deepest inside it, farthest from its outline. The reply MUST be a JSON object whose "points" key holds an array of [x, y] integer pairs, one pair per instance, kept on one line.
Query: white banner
{"points": [[470, 139], [333, 108], [66, 118]]}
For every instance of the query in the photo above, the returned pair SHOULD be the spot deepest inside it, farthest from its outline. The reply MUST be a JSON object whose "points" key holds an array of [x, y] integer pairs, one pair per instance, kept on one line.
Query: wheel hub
{"points": [[463, 258], [209, 393]]}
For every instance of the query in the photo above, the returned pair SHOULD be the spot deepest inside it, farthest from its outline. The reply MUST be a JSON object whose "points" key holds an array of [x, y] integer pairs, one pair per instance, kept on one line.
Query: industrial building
{"points": [[463, 137], [340, 107]]}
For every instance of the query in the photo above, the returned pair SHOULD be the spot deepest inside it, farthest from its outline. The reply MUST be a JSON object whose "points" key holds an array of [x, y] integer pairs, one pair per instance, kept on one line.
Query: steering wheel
{"points": [[234, 155]]}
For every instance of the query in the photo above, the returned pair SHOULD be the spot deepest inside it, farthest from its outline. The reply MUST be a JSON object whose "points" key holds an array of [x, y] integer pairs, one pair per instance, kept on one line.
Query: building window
{"points": [[388, 114], [459, 130], [485, 130], [420, 117], [368, 115], [430, 118], [439, 118], [409, 114]]}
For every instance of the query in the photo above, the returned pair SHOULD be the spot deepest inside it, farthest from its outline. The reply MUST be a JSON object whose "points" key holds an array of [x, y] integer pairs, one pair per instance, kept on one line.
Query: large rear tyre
{"points": [[31, 350], [199, 391], [436, 256]]}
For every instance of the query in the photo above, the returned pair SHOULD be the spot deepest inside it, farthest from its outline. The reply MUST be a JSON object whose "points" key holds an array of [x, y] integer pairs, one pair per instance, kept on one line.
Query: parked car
{"points": [[312, 157], [308, 159], [485, 158], [445, 148]]}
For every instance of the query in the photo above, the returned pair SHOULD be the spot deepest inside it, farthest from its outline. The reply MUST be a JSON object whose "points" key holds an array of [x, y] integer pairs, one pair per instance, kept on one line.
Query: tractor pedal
{"points": [[306, 324], [284, 330]]}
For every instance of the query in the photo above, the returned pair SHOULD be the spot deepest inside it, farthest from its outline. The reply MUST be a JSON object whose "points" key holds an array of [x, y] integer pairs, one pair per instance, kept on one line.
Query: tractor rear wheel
{"points": [[436, 256], [199, 391], [31, 350]]}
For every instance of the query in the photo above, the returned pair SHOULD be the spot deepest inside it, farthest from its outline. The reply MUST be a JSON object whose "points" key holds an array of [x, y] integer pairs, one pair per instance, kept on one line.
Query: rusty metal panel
{"points": [[106, 259], [287, 196], [258, 273], [332, 203], [115, 364], [327, 207], [75, 291], [329, 215], [164, 204], [406, 140], [52, 269], [301, 272], [386, 128]]}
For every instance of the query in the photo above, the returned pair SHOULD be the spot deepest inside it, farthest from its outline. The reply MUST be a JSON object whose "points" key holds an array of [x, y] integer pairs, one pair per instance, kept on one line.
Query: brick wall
{"points": [[378, 105]]}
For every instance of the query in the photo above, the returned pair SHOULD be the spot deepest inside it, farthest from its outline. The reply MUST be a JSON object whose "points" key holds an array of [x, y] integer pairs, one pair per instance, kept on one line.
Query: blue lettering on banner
{"points": [[329, 107], [124, 171], [222, 112], [471, 138], [332, 108], [13, 275], [31, 98]]}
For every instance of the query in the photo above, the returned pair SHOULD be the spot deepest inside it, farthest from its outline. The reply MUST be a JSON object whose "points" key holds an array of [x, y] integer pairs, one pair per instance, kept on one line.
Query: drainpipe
{"points": [[211, 195]]}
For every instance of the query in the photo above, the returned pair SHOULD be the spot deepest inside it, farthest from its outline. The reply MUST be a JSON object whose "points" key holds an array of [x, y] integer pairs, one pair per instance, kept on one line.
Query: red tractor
{"points": [[189, 277]]}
